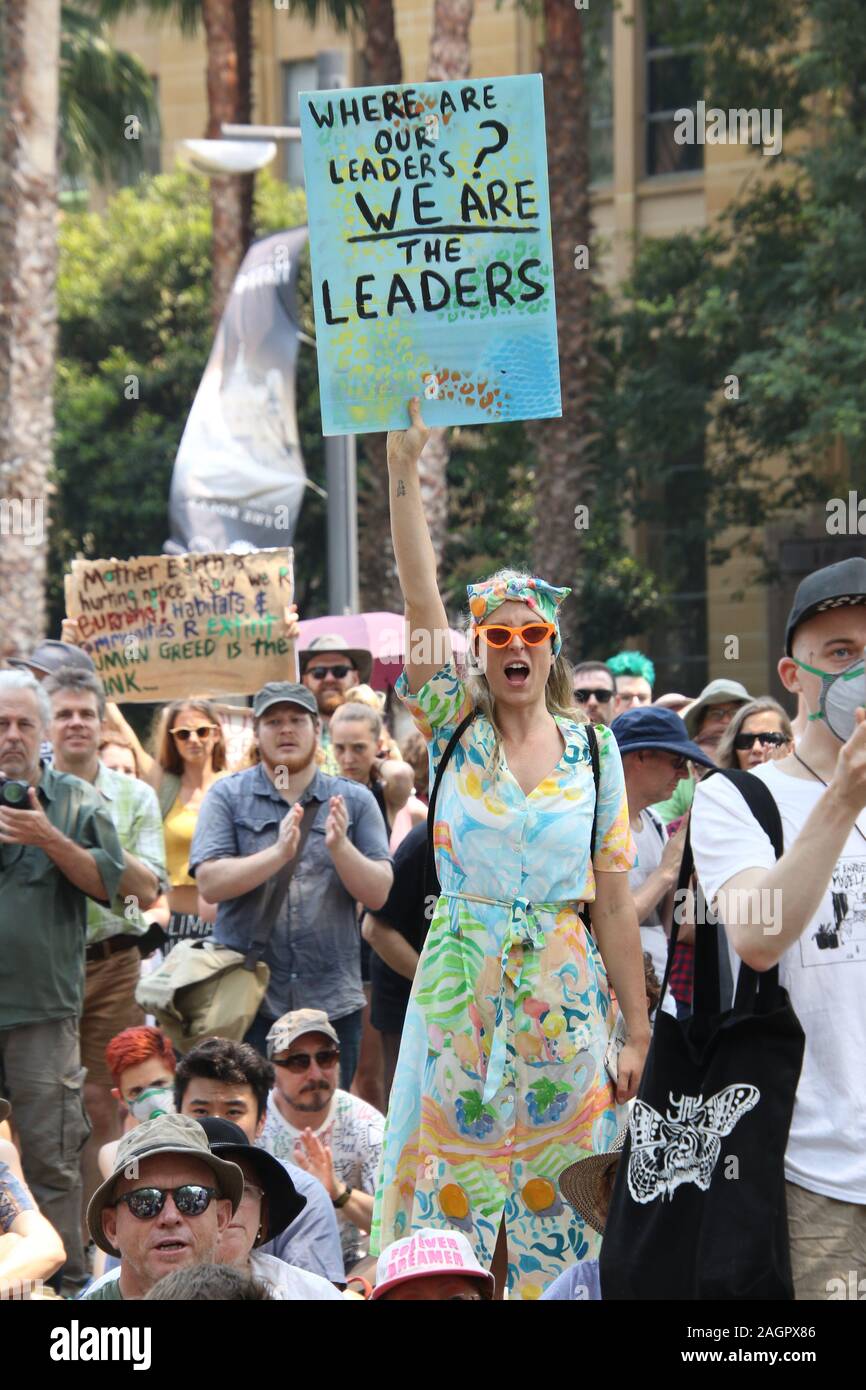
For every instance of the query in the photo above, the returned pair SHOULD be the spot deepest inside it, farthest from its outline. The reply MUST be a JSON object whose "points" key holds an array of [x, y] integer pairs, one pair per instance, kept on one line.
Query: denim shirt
{"points": [[314, 948]]}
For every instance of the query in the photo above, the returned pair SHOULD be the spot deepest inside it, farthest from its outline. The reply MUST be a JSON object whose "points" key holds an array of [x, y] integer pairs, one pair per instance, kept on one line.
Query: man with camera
{"points": [[114, 933], [58, 848]]}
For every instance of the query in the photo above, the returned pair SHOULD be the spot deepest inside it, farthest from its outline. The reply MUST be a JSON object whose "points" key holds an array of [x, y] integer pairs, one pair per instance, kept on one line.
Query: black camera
{"points": [[14, 793]]}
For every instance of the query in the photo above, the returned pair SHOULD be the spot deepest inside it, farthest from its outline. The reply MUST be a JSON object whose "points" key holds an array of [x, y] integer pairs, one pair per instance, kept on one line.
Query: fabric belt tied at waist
{"points": [[524, 930]]}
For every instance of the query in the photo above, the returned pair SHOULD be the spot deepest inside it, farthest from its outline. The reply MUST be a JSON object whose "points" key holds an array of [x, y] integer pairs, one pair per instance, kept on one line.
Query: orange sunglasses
{"points": [[499, 635]]}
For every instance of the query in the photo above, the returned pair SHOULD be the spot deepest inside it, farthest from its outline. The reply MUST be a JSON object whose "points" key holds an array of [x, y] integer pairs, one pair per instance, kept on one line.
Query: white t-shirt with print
{"points": [[649, 841], [353, 1130], [824, 973]]}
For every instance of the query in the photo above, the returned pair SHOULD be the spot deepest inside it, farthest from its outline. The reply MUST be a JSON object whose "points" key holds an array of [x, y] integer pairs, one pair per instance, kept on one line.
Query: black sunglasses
{"points": [[300, 1061], [745, 741], [320, 672], [602, 696], [147, 1202]]}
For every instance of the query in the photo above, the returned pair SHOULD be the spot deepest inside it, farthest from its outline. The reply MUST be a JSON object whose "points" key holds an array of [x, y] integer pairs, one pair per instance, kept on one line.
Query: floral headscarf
{"points": [[544, 598]]}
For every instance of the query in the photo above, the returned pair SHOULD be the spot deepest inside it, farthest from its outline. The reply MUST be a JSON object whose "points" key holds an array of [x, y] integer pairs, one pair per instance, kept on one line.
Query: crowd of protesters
{"points": [[424, 1105]]}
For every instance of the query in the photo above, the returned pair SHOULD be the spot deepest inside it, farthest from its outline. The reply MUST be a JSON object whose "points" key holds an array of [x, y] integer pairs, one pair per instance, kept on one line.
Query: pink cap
{"points": [[428, 1252]]}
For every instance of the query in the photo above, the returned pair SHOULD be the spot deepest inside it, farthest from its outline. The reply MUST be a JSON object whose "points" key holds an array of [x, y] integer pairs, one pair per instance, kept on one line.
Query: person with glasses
{"points": [[229, 1080], [331, 670], [501, 1074], [656, 753], [594, 691], [270, 1204], [758, 732], [163, 1208], [332, 1134], [634, 676]]}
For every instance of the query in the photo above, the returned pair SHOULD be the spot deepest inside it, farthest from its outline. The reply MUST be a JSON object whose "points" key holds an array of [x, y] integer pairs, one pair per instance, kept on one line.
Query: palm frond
{"points": [[106, 98]]}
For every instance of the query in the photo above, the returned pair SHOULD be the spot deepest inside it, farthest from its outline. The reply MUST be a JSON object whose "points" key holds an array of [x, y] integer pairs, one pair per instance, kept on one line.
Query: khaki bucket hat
{"points": [[168, 1134]]}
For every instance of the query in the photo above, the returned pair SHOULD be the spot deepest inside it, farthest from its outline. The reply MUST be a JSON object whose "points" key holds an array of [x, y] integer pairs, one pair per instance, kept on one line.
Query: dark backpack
{"points": [[698, 1205]]}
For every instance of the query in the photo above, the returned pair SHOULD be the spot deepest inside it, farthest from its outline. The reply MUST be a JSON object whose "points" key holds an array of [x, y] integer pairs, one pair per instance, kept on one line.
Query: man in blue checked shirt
{"points": [[249, 828]]}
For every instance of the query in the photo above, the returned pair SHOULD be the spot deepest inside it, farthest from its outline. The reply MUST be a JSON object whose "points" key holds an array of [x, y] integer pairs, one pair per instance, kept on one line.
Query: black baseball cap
{"points": [[284, 693], [284, 1202], [648, 728], [842, 585], [50, 655]]}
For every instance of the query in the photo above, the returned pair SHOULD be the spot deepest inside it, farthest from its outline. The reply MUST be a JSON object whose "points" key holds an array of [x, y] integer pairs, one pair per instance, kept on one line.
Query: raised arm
{"points": [[428, 644]]}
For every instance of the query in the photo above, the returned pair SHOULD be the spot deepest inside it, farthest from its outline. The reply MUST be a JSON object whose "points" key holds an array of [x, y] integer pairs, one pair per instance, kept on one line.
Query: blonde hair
{"points": [[558, 693]]}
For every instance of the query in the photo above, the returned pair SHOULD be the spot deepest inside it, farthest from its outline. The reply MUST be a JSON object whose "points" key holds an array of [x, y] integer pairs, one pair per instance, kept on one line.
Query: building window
{"points": [[296, 77], [599, 80], [671, 86]]}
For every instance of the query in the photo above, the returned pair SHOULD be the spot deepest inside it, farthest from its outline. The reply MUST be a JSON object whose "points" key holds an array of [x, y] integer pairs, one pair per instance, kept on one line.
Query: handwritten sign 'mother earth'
{"points": [[163, 626], [431, 254]]}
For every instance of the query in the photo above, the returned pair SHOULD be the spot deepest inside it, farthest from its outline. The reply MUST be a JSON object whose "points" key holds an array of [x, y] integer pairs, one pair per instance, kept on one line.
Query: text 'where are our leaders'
{"points": [[430, 235]]}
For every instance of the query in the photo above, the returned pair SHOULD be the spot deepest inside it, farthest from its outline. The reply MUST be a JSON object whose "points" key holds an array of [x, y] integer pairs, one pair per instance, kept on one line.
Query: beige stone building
{"points": [[646, 184]]}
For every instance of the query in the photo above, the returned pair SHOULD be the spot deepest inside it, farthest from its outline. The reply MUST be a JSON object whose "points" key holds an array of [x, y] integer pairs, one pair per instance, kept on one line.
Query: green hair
{"points": [[632, 664]]}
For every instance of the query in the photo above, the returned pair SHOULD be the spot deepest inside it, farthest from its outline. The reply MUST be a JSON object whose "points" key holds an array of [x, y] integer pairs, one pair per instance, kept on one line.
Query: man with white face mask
{"points": [[816, 928]]}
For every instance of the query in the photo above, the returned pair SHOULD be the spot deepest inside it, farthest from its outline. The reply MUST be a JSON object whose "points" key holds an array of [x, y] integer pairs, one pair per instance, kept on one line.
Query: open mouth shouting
{"points": [[516, 672]]}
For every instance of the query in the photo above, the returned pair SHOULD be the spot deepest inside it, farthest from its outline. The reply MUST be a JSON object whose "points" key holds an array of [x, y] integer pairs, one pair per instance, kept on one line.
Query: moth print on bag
{"points": [[683, 1146]]}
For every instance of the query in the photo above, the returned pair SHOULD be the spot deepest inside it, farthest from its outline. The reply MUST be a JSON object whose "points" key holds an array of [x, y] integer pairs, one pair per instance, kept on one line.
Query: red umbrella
{"points": [[379, 633]]}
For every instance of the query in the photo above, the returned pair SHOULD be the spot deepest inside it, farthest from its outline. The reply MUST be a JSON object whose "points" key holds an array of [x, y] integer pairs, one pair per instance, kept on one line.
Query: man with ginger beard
{"points": [[331, 670], [258, 821]]}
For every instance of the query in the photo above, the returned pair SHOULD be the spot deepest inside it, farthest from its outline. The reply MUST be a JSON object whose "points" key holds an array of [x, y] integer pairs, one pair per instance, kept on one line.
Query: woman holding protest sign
{"points": [[502, 1079]]}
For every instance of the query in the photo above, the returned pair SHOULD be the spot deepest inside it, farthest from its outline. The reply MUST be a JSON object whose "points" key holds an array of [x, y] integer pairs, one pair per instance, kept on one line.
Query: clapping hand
{"points": [[337, 824], [316, 1158], [290, 832]]}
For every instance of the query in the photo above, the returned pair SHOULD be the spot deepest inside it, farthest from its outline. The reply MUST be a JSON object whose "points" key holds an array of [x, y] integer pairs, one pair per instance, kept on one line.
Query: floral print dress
{"points": [[500, 1083]]}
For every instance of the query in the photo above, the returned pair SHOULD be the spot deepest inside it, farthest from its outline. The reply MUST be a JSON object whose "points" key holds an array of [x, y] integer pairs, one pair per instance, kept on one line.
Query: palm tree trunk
{"points": [[377, 570], [450, 51], [563, 479], [30, 49], [228, 90], [383, 65], [450, 60]]}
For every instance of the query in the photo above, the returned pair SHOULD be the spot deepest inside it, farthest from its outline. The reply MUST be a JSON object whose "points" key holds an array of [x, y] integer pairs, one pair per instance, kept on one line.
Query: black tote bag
{"points": [[698, 1206]]}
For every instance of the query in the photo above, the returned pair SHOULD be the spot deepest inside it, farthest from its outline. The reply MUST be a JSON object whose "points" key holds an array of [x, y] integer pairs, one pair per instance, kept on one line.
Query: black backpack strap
{"points": [[278, 887], [432, 876], [762, 804], [592, 740]]}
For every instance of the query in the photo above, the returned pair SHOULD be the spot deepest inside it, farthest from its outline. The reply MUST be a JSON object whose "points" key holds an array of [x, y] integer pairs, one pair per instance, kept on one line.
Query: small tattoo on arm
{"points": [[401, 488], [14, 1198]]}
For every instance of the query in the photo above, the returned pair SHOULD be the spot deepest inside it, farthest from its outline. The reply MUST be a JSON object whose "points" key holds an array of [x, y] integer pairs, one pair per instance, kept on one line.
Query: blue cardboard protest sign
{"points": [[431, 255]]}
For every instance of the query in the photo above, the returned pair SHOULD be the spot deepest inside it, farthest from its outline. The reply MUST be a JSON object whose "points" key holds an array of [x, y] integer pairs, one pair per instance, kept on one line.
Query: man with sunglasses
{"points": [[164, 1206], [806, 913], [594, 691], [331, 669], [335, 1136]]}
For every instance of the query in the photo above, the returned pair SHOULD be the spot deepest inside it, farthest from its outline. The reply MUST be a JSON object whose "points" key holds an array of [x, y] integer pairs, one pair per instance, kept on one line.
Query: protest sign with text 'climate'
{"points": [[431, 254]]}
